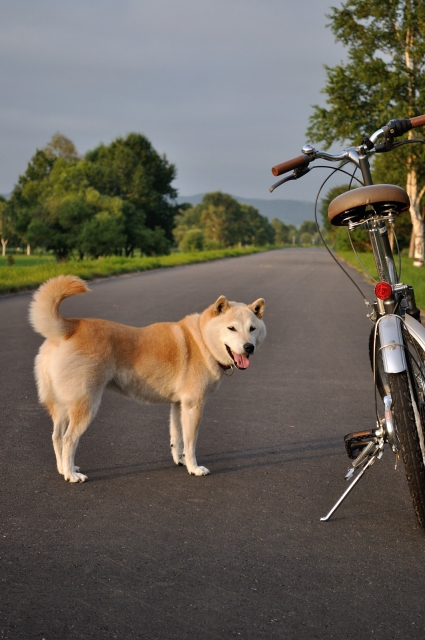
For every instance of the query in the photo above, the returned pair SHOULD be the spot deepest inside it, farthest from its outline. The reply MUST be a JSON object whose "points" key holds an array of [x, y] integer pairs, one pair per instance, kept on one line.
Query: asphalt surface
{"points": [[143, 550]]}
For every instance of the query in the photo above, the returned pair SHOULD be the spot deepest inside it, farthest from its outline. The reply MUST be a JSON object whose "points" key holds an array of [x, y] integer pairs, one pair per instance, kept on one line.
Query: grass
{"points": [[415, 276], [29, 272], [26, 261]]}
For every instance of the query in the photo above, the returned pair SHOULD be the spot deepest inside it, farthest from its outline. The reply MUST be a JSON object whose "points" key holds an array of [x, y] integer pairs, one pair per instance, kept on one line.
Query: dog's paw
{"points": [[62, 472], [76, 477], [180, 460], [199, 471], [177, 454]]}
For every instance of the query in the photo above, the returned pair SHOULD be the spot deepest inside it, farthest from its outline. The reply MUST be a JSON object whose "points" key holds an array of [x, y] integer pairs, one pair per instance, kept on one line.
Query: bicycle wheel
{"points": [[410, 434], [408, 407]]}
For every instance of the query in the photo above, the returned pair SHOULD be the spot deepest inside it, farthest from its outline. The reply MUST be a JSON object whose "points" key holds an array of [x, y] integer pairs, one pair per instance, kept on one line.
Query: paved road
{"points": [[143, 550]]}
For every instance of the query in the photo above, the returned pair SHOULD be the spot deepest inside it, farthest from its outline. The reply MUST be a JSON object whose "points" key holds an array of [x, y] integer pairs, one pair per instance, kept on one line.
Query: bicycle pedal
{"points": [[357, 441]]}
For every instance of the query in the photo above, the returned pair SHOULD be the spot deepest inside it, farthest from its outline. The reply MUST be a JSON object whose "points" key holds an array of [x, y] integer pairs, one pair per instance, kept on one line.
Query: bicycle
{"points": [[397, 340]]}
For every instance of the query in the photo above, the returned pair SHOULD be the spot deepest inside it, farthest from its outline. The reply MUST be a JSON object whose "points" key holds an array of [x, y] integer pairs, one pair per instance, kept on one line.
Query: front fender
{"points": [[391, 344]]}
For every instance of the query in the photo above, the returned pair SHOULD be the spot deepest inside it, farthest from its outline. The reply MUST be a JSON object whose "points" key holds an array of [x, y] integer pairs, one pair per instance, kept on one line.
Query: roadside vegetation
{"points": [[114, 211], [409, 274], [25, 274]]}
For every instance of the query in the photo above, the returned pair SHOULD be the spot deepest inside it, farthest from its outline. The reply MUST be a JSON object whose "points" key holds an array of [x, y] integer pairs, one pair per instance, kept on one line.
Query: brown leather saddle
{"points": [[351, 206]]}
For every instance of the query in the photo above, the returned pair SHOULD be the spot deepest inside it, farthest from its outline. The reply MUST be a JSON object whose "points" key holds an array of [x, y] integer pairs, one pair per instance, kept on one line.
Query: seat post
{"points": [[381, 248]]}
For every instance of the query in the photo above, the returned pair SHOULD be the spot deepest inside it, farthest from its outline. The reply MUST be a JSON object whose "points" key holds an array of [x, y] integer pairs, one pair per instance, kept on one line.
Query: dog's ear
{"points": [[258, 307], [220, 306]]}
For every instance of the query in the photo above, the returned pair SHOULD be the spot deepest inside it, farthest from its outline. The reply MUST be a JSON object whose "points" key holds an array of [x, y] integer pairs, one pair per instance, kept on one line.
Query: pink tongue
{"points": [[241, 361]]}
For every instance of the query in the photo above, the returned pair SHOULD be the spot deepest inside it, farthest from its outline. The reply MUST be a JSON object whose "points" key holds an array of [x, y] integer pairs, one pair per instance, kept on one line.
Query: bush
{"points": [[193, 240]]}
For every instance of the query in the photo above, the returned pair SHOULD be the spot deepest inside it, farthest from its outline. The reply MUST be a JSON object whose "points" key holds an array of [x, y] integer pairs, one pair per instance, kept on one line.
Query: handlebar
{"points": [[393, 129], [417, 121], [295, 163]]}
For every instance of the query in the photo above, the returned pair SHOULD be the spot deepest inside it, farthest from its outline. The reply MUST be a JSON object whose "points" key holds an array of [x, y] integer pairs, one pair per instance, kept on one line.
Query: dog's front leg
{"points": [[176, 435], [191, 414]]}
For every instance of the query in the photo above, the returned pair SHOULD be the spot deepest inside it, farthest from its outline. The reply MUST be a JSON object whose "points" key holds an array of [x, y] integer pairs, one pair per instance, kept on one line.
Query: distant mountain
{"points": [[289, 211]]}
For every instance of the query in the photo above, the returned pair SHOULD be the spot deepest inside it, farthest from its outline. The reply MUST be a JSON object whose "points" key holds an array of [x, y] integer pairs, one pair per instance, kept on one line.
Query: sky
{"points": [[224, 88]]}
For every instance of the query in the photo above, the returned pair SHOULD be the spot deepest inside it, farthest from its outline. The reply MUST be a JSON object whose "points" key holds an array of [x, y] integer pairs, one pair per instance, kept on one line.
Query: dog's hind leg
{"points": [[191, 414], [176, 435], [60, 421], [80, 416]]}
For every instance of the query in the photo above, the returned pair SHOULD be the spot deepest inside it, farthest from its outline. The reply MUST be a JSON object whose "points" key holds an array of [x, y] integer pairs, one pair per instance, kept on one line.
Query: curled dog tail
{"points": [[44, 313]]}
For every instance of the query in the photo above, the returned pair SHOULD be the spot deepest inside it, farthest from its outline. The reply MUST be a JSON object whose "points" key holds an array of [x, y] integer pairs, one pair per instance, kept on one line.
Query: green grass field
{"points": [[26, 261], [28, 272], [415, 276]]}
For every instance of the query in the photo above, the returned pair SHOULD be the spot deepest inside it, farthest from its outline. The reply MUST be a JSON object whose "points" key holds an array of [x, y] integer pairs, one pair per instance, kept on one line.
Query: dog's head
{"points": [[233, 330]]}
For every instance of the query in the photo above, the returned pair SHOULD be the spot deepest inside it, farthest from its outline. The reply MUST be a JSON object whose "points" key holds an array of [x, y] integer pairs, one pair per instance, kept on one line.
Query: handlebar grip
{"points": [[295, 163], [417, 121]]}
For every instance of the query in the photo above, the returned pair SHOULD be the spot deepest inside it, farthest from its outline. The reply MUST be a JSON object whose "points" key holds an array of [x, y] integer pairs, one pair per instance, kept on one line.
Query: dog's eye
{"points": [[231, 328], [252, 328]]}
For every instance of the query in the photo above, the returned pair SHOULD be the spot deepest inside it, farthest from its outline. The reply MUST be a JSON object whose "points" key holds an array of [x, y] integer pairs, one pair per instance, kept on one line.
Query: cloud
{"points": [[224, 87]]}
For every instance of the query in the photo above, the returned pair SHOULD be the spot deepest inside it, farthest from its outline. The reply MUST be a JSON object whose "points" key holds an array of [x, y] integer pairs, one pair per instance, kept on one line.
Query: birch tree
{"points": [[5, 225], [383, 78]]}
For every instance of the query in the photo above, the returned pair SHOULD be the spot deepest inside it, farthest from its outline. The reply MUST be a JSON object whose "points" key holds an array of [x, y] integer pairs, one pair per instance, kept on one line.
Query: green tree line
{"points": [[115, 199], [118, 199], [221, 221]]}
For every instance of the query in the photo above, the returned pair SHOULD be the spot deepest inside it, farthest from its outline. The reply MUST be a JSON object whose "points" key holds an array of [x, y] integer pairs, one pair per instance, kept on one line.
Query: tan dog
{"points": [[171, 362]]}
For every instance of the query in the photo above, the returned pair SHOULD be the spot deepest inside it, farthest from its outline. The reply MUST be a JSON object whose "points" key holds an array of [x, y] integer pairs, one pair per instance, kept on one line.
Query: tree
{"points": [[118, 197], [281, 231], [221, 218], [61, 147], [308, 226], [384, 77], [193, 240], [25, 201], [131, 169], [221, 221], [256, 229], [188, 217], [6, 230]]}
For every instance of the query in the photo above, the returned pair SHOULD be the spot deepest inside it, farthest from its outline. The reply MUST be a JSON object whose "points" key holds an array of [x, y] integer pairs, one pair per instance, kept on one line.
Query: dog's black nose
{"points": [[249, 348]]}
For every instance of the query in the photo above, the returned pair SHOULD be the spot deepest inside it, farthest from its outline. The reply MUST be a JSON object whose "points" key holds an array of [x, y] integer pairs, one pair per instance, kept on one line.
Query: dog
{"points": [[167, 362]]}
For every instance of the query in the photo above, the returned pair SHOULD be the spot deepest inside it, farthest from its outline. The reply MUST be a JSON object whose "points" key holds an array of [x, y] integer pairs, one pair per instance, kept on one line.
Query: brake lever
{"points": [[298, 173], [383, 148]]}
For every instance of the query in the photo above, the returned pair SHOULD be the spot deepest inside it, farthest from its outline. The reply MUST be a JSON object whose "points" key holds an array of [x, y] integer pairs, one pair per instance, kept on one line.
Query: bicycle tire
{"points": [[381, 379], [407, 390], [416, 364], [403, 408]]}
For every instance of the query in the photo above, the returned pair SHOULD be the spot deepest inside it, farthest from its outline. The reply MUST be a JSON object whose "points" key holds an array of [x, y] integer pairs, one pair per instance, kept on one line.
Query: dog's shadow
{"points": [[232, 461]]}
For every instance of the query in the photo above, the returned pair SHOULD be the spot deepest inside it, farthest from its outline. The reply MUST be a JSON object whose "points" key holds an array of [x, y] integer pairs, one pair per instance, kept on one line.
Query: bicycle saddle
{"points": [[352, 205]]}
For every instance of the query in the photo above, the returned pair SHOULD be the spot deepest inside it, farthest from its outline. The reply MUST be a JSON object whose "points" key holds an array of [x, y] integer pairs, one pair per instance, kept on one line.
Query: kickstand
{"points": [[368, 464]]}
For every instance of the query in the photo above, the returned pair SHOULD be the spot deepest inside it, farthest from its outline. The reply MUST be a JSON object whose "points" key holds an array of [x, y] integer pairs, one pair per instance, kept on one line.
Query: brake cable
{"points": [[352, 176]]}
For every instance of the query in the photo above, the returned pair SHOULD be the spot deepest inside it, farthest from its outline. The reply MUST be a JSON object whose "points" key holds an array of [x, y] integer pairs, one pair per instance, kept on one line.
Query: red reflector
{"points": [[383, 290]]}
